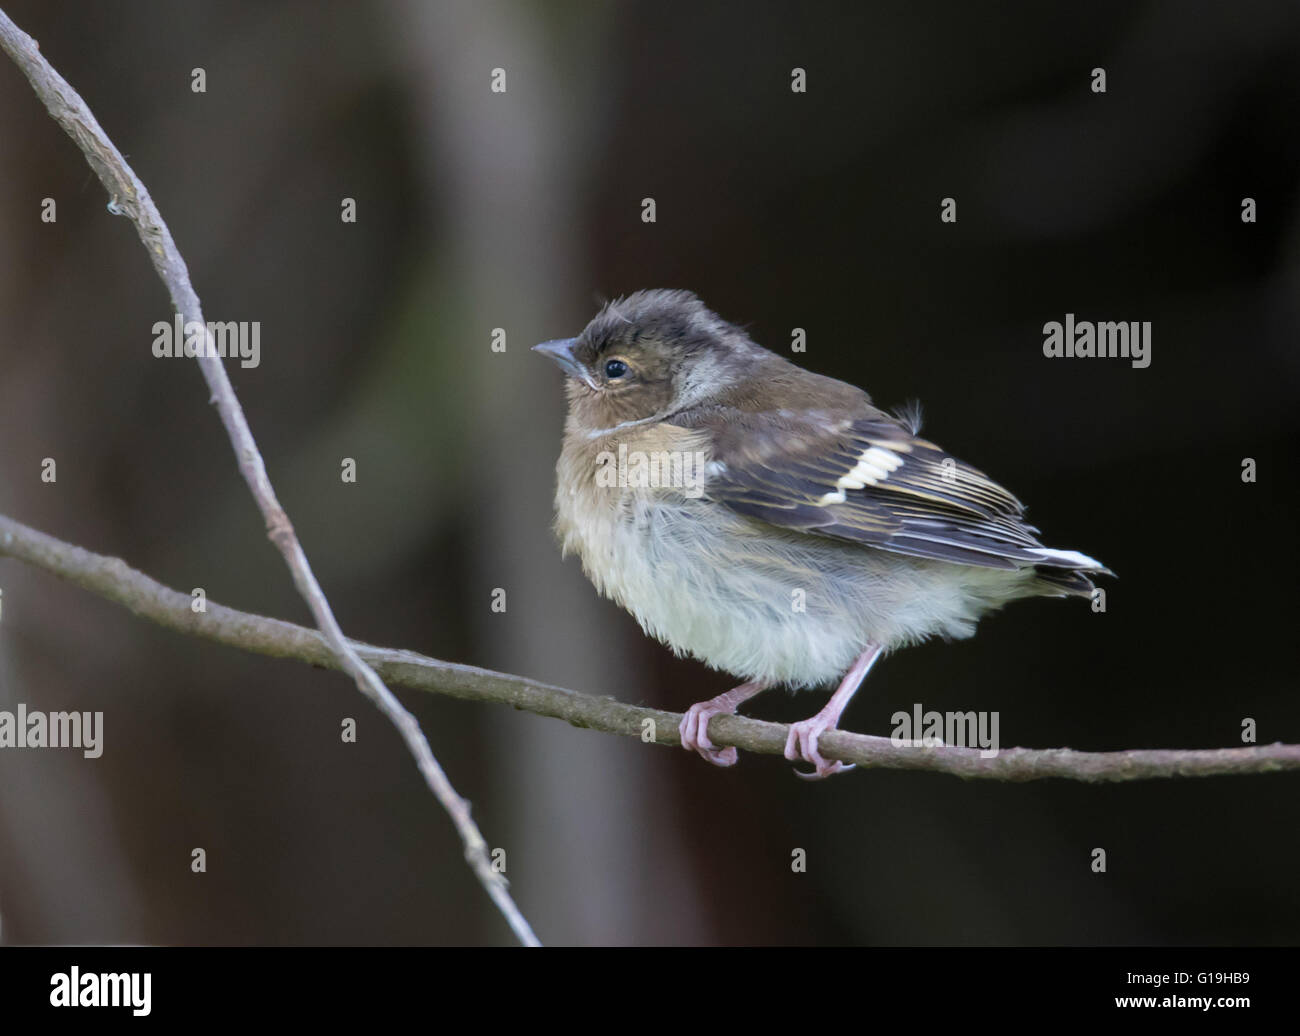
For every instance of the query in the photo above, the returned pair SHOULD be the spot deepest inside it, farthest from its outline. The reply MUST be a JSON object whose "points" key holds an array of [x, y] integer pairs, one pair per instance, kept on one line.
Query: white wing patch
{"points": [[872, 468]]}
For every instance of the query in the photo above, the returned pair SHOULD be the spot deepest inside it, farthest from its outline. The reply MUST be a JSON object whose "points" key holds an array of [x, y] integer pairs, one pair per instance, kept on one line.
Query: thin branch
{"points": [[115, 580], [131, 198]]}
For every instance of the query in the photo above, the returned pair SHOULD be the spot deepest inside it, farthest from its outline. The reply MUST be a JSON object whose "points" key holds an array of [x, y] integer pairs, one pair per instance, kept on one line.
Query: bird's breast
{"points": [[732, 592]]}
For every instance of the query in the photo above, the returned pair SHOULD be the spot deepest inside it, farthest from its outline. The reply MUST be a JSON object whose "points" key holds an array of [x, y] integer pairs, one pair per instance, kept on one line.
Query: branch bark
{"points": [[129, 197], [115, 580]]}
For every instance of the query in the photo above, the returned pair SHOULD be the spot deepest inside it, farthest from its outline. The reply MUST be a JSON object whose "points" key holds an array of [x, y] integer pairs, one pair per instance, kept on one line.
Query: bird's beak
{"points": [[561, 351]]}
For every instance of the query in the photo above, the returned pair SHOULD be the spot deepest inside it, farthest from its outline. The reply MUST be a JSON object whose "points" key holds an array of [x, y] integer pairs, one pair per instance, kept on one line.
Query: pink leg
{"points": [[694, 727], [802, 742]]}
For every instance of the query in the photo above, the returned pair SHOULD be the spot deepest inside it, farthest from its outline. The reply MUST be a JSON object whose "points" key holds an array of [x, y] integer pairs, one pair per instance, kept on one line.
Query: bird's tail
{"points": [[1068, 572]]}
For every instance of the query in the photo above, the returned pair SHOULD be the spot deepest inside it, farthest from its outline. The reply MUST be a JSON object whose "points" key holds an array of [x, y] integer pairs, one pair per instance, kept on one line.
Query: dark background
{"points": [[479, 210]]}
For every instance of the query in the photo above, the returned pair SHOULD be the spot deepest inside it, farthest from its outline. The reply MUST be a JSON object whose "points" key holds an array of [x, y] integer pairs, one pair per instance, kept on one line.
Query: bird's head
{"points": [[647, 356]]}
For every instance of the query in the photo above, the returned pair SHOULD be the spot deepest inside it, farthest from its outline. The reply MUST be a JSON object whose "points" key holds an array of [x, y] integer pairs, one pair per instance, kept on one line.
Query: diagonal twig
{"points": [[115, 580], [129, 197]]}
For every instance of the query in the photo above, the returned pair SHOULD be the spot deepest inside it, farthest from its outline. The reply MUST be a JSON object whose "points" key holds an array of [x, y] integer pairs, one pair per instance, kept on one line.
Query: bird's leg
{"points": [[694, 727], [802, 741]]}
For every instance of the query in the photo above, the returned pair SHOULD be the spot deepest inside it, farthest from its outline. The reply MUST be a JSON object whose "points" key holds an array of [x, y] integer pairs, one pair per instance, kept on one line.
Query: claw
{"points": [[694, 730], [728, 756], [694, 727], [820, 775], [802, 743]]}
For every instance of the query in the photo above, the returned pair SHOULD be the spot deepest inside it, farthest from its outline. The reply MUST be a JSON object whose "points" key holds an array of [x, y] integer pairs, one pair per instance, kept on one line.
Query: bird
{"points": [[772, 522]]}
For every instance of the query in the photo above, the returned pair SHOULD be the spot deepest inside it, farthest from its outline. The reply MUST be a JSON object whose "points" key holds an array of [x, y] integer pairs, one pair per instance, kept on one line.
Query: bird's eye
{"points": [[615, 369]]}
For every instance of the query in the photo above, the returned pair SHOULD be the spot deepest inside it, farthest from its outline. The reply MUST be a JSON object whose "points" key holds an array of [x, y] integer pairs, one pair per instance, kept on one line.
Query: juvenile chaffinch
{"points": [[769, 521]]}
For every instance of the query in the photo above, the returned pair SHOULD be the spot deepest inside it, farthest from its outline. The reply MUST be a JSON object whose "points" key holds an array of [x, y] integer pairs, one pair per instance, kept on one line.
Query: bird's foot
{"points": [[694, 728], [802, 744], [804, 735]]}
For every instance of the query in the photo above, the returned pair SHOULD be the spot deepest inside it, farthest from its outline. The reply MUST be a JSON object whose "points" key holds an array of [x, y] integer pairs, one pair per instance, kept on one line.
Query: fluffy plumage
{"points": [[817, 531]]}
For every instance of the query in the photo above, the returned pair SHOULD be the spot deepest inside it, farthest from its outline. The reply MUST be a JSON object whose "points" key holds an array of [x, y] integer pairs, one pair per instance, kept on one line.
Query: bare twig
{"points": [[115, 580], [129, 197]]}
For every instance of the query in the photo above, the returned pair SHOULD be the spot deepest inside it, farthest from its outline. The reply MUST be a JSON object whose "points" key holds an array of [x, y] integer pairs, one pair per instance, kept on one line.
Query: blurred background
{"points": [[521, 210]]}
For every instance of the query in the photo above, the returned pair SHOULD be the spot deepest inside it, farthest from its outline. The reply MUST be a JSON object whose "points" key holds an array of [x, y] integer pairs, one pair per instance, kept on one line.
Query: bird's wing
{"points": [[867, 479]]}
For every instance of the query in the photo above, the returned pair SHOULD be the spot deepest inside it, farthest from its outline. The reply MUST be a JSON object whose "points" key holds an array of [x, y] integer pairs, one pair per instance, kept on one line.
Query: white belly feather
{"points": [[756, 602]]}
